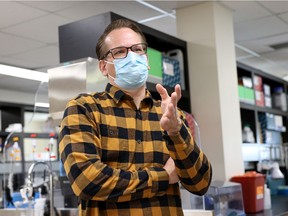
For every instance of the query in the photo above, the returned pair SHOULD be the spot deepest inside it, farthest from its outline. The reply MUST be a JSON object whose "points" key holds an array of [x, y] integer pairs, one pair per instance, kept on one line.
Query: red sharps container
{"points": [[253, 191]]}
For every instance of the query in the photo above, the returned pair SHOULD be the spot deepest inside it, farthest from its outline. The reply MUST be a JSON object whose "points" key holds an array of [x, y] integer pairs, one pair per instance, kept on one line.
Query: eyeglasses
{"points": [[121, 52]]}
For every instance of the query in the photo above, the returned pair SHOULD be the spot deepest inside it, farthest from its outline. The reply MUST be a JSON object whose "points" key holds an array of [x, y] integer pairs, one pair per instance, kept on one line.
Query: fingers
{"points": [[171, 113], [178, 91], [174, 99], [171, 171], [162, 91], [176, 95], [170, 165]]}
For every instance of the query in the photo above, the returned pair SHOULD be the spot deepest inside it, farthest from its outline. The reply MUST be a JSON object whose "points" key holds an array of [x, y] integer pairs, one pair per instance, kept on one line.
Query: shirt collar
{"points": [[117, 94]]}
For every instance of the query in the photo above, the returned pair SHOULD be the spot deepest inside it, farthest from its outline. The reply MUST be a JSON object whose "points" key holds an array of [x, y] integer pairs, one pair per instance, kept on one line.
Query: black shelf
{"points": [[244, 105], [254, 115]]}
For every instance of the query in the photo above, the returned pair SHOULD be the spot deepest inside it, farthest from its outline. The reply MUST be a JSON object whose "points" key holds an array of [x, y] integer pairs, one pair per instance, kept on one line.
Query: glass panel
{"points": [[38, 149]]}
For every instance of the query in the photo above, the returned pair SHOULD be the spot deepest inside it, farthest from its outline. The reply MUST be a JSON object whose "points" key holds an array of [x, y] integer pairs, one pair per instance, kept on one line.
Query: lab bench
{"points": [[279, 205]]}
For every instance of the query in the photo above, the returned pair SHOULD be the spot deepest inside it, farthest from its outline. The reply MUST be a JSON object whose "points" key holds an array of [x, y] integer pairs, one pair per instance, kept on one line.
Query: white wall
{"points": [[208, 29]]}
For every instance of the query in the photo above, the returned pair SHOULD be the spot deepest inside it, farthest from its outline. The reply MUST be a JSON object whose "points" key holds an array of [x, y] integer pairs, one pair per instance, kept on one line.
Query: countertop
{"points": [[279, 205], [279, 208], [74, 212]]}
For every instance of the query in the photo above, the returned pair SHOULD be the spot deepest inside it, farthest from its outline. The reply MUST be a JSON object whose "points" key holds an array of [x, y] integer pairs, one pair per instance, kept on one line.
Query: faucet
{"points": [[30, 183]]}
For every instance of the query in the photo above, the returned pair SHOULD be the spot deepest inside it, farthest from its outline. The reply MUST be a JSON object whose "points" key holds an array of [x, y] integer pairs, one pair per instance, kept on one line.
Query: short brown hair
{"points": [[117, 24]]}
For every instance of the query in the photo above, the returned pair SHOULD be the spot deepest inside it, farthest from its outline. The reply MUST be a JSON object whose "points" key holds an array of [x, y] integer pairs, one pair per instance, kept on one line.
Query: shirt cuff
{"points": [[179, 140], [160, 179]]}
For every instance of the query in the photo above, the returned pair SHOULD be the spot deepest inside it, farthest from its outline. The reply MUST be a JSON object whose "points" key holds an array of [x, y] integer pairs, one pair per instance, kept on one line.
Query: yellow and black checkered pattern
{"points": [[114, 153]]}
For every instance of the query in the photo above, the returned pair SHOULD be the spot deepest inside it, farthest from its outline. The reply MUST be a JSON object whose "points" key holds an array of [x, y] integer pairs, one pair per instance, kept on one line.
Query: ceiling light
{"points": [[152, 18], [247, 50], [23, 73], [156, 8]]}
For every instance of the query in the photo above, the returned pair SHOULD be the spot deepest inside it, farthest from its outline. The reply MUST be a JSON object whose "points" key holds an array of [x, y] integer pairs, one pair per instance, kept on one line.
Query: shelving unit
{"points": [[77, 40], [253, 114]]}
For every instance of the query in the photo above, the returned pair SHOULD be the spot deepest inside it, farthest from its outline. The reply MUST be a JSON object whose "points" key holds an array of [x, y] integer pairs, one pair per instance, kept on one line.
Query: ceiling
{"points": [[29, 31]]}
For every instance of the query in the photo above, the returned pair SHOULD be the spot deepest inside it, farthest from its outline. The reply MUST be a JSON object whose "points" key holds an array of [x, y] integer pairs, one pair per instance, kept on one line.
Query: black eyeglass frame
{"points": [[127, 48]]}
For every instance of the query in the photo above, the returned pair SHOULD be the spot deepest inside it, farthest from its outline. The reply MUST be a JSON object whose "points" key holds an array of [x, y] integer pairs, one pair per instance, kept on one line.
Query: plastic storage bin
{"points": [[253, 191], [155, 63], [279, 99], [225, 199]]}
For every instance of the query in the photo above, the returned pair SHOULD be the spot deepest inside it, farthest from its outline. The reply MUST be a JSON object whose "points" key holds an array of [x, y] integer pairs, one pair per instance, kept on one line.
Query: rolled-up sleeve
{"points": [[193, 167]]}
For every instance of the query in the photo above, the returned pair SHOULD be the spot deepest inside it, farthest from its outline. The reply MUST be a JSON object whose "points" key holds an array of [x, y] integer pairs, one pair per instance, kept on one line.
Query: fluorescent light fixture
{"points": [[157, 8], [40, 104], [247, 50], [23, 73], [152, 18]]}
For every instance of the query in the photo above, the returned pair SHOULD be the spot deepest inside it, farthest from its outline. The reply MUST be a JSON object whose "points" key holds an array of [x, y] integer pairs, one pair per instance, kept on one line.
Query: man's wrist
{"points": [[175, 131]]}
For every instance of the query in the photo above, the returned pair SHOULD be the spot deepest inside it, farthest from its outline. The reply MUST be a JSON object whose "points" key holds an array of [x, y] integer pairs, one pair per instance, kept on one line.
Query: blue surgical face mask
{"points": [[131, 72]]}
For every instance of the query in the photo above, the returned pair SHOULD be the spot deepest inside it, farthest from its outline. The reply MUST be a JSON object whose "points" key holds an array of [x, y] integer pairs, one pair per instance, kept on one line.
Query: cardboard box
{"points": [[257, 81], [268, 101], [267, 89], [246, 95], [259, 98], [246, 82]]}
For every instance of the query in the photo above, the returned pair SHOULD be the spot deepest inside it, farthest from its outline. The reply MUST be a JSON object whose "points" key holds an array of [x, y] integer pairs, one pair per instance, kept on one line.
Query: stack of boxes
{"points": [[254, 91], [267, 95], [259, 94], [271, 126]]}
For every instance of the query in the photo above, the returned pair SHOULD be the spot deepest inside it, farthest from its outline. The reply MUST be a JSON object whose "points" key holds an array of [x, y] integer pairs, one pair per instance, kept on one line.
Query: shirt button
{"points": [[139, 141]]}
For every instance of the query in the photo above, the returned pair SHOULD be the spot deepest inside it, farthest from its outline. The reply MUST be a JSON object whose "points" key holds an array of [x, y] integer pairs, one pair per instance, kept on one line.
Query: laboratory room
{"points": [[144, 108]]}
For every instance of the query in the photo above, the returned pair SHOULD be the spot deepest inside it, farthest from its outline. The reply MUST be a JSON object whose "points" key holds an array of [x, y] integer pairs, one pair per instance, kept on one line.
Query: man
{"points": [[123, 151]]}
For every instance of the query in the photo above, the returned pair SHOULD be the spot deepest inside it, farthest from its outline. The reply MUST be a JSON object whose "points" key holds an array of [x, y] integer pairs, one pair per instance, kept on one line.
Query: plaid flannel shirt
{"points": [[114, 153]]}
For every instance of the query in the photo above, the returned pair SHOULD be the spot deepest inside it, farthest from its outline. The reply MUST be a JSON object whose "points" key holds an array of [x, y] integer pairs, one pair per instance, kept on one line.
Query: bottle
{"points": [[267, 198], [34, 144], [51, 145], [247, 134], [16, 149]]}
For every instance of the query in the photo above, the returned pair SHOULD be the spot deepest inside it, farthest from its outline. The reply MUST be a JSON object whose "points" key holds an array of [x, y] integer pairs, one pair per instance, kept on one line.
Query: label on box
{"points": [[247, 82], [278, 121], [259, 192], [168, 68]]}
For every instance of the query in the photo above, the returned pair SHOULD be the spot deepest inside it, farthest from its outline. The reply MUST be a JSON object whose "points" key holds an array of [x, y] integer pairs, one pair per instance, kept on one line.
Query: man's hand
{"points": [[170, 120], [171, 170]]}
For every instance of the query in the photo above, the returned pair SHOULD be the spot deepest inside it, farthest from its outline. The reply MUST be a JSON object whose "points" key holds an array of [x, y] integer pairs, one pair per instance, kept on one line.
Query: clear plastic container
{"points": [[279, 99]]}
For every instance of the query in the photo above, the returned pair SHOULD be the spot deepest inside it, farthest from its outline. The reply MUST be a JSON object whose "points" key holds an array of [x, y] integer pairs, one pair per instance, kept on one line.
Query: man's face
{"points": [[117, 38]]}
